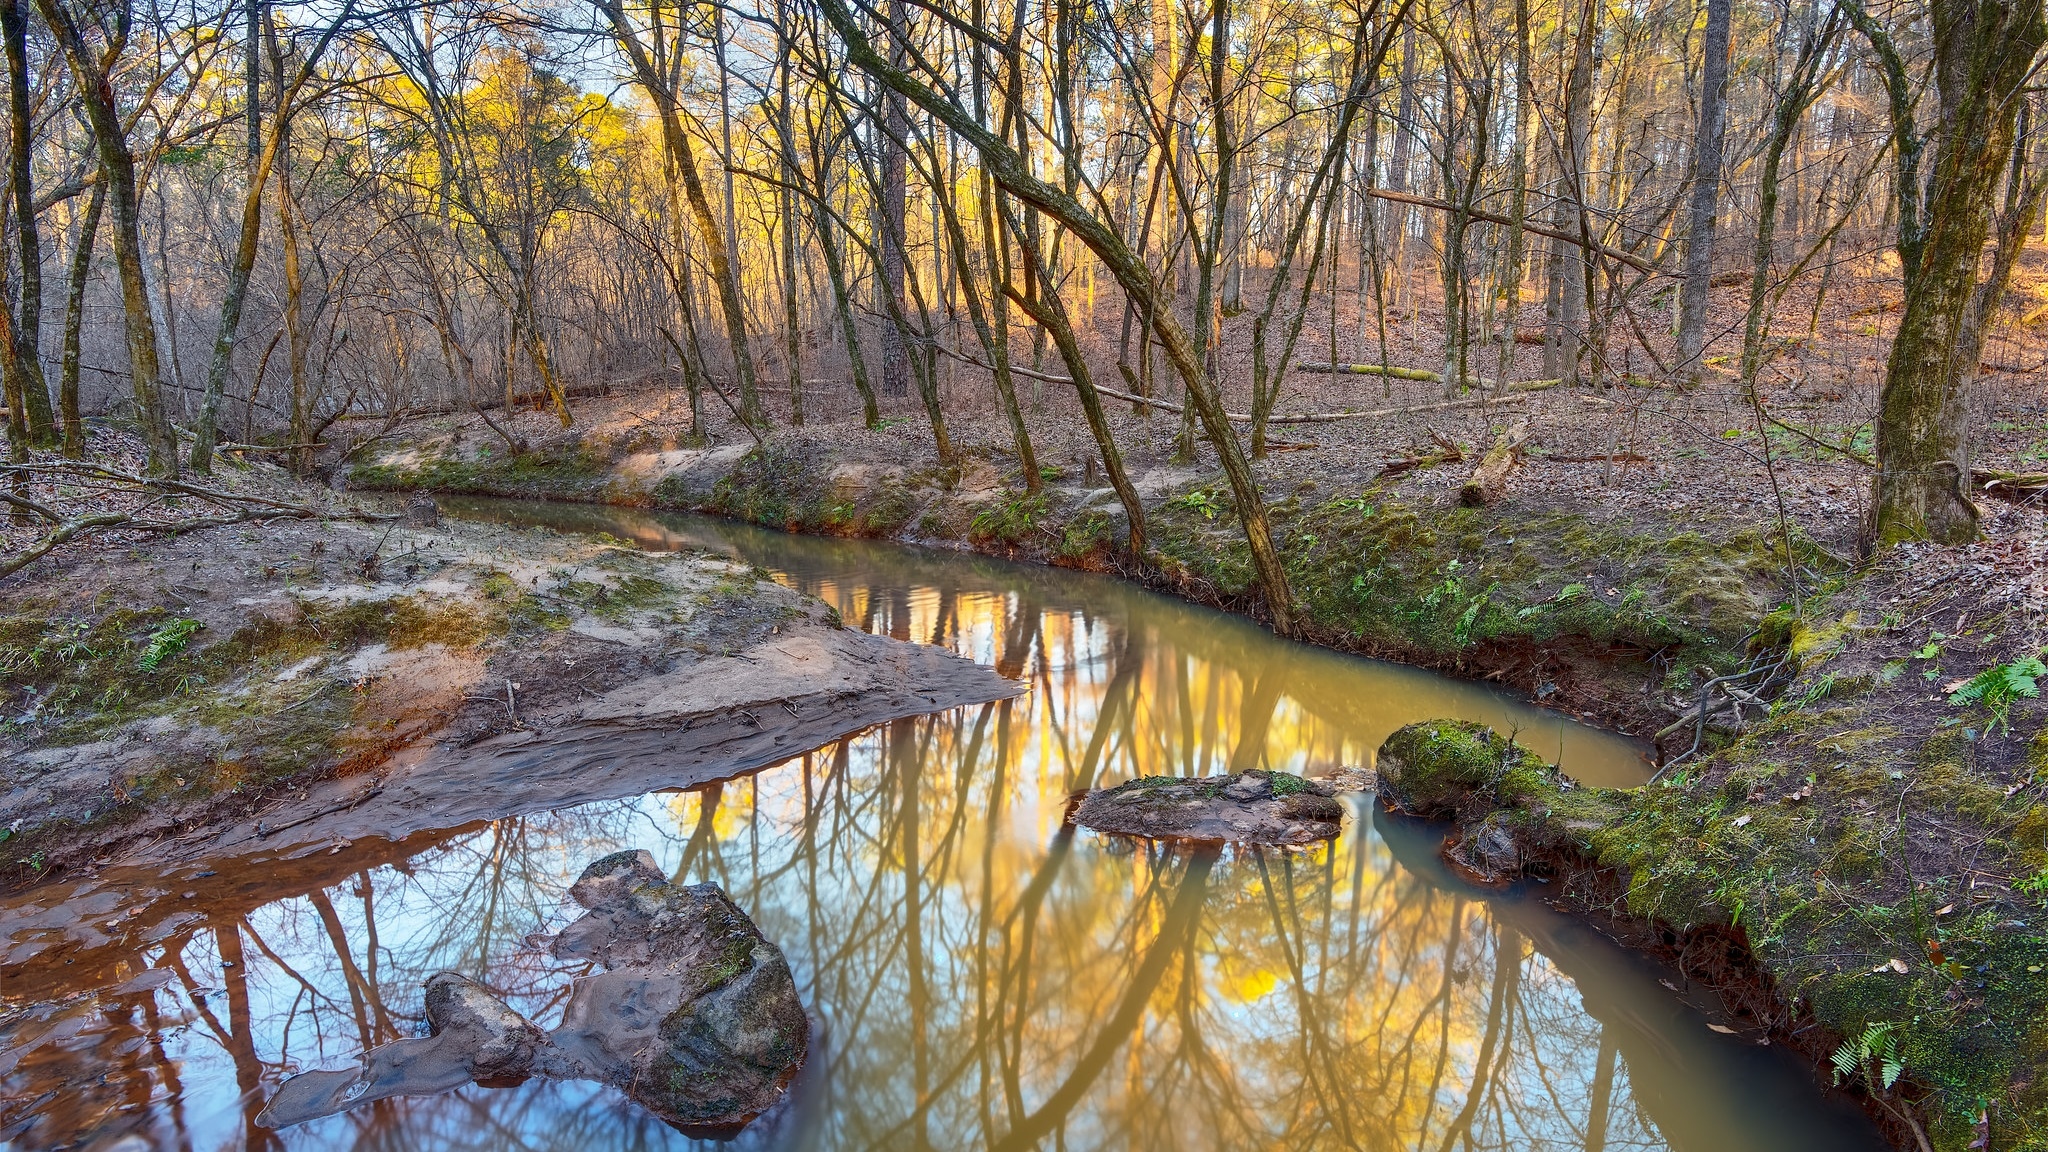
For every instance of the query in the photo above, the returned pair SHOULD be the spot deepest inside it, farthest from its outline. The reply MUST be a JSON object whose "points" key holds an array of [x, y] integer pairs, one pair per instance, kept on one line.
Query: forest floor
{"points": [[285, 685], [1865, 814]]}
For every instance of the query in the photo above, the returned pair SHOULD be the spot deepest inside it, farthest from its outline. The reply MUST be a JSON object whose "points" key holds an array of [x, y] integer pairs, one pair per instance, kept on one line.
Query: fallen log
{"points": [[1488, 482], [1324, 417], [1424, 375], [2018, 487]]}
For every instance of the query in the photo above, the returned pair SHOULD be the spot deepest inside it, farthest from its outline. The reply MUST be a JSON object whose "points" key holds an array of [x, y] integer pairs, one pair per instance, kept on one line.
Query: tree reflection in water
{"points": [[981, 975]]}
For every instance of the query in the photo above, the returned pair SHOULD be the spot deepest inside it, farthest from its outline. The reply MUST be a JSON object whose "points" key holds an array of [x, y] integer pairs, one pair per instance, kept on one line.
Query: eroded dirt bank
{"points": [[256, 694]]}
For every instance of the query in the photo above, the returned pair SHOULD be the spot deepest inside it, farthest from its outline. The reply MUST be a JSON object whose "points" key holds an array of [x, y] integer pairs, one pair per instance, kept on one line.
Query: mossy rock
{"points": [[1508, 801]]}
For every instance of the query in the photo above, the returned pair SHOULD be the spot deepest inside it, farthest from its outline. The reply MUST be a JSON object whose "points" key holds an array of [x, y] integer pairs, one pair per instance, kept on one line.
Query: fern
{"points": [[2000, 685], [1875, 1054], [167, 642], [1200, 500]]}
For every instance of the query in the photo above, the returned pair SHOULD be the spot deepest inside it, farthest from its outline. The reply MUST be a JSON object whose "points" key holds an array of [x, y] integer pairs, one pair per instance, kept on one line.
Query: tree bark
{"points": [[894, 206], [684, 155], [28, 320], [206, 429], [1693, 296], [1983, 56], [74, 322], [117, 169]]}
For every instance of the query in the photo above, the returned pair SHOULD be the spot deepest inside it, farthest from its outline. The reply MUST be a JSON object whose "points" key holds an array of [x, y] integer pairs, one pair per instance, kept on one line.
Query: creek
{"points": [[979, 973]]}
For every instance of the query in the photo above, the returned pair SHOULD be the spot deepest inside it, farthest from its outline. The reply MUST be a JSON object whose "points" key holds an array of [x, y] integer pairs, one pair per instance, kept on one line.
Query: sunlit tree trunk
{"points": [[683, 153], [894, 206]]}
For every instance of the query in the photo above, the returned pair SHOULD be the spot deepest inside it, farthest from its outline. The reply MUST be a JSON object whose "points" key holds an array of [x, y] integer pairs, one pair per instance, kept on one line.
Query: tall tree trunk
{"points": [[117, 168], [1510, 294], [28, 325], [1571, 261], [894, 206], [264, 156], [785, 203], [74, 322], [298, 341], [1706, 193], [842, 302], [1051, 311], [1982, 59]]}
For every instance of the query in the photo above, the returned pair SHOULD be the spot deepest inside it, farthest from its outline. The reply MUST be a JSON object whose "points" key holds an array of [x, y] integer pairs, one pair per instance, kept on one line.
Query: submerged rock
{"points": [[695, 1017], [1252, 807]]}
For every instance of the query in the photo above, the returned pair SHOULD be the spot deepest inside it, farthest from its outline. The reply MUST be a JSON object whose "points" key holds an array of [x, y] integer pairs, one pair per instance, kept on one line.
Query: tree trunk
{"points": [[1983, 56], [785, 203], [28, 325], [1706, 192], [236, 294], [117, 168], [683, 154], [1510, 292], [74, 322], [894, 206]]}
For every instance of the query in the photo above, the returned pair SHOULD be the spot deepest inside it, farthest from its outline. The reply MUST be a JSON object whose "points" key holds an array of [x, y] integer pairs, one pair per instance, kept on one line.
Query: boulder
{"points": [[695, 1016], [1251, 807]]}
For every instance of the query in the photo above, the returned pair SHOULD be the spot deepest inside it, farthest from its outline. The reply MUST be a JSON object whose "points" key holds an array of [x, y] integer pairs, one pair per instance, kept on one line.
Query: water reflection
{"points": [[981, 974]]}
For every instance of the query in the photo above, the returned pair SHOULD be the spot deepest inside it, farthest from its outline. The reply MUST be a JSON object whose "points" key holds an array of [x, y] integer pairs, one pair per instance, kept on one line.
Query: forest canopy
{"points": [[258, 225]]}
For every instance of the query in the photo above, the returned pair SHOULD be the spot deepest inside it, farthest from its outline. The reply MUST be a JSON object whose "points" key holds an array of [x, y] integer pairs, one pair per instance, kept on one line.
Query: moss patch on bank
{"points": [[1443, 585], [1879, 837], [568, 471]]}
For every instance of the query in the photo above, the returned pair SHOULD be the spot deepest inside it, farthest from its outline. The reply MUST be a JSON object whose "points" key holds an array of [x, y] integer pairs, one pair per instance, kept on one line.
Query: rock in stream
{"points": [[1251, 807], [695, 1016]]}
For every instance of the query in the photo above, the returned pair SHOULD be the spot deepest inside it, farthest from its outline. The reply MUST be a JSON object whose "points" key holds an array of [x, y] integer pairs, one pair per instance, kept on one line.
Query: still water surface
{"points": [[979, 973]]}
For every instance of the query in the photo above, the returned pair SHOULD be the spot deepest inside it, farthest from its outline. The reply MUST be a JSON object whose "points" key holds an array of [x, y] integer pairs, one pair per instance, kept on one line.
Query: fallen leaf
{"points": [[1893, 965], [1723, 1029], [1741, 820], [1944, 910]]}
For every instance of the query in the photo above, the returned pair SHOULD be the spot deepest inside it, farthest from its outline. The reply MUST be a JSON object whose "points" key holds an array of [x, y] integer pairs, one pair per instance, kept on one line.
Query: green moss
{"points": [[1084, 536], [1436, 583], [1812, 643], [1432, 767], [771, 486], [1014, 520], [574, 470], [1286, 784]]}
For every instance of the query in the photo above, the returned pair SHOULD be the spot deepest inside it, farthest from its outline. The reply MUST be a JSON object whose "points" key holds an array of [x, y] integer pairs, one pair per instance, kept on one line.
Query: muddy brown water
{"points": [[979, 974]]}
